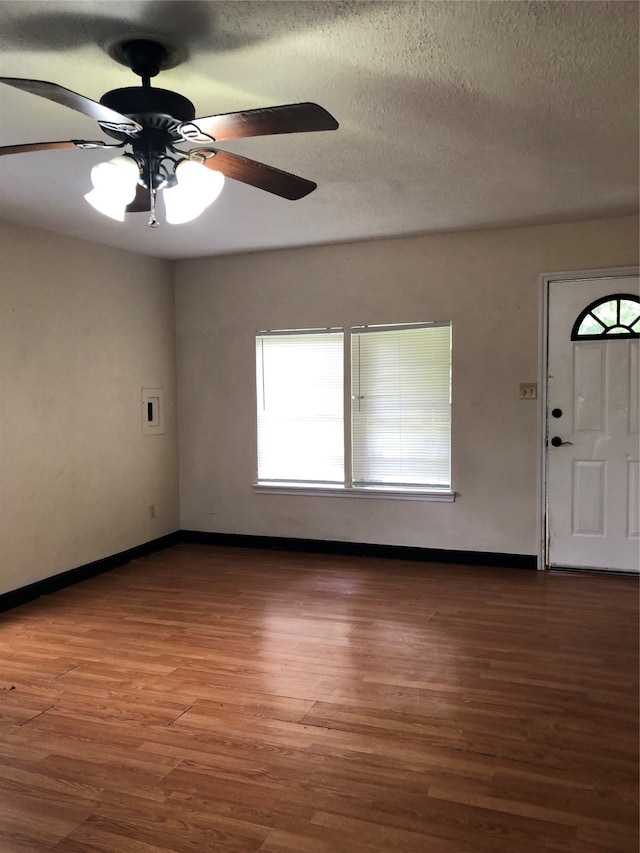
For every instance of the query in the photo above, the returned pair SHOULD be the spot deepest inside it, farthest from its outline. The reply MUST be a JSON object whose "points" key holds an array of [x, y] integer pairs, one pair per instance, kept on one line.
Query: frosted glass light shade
{"points": [[103, 203], [114, 185], [197, 188]]}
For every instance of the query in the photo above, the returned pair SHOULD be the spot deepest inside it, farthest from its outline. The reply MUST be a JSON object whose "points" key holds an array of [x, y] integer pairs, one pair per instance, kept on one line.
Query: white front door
{"points": [[593, 424]]}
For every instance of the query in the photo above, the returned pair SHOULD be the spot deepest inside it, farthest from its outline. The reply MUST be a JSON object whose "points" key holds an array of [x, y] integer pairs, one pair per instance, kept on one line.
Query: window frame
{"points": [[605, 334], [445, 494]]}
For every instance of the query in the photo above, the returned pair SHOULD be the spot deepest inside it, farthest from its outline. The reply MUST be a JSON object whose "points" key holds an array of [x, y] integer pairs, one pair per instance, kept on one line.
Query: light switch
{"points": [[528, 390]]}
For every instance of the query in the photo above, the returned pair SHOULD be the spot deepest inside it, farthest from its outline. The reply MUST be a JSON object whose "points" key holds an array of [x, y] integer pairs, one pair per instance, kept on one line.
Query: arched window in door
{"points": [[611, 316]]}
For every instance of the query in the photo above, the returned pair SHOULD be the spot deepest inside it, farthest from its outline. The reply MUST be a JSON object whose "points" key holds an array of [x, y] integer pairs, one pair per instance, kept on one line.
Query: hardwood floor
{"points": [[215, 699]]}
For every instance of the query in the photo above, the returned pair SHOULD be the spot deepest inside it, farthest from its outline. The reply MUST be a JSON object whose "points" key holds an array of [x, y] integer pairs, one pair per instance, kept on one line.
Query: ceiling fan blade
{"points": [[53, 146], [60, 95], [259, 175], [290, 118], [142, 201]]}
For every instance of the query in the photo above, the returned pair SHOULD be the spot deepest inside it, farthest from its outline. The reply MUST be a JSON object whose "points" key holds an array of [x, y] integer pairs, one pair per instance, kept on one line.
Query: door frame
{"points": [[546, 279]]}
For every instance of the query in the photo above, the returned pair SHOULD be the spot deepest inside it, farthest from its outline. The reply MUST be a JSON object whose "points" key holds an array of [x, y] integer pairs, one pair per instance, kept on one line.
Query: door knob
{"points": [[556, 441]]}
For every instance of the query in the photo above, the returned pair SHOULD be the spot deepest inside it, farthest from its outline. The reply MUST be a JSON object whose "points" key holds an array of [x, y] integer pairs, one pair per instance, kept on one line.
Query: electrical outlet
{"points": [[528, 390], [152, 510]]}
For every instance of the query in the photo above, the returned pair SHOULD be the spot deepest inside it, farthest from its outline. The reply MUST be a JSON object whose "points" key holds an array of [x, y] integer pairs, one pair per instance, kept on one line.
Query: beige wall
{"points": [[83, 328], [487, 283]]}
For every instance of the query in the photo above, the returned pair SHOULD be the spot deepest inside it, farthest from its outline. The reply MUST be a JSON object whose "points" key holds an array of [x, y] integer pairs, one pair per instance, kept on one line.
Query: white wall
{"points": [[487, 283], [83, 328]]}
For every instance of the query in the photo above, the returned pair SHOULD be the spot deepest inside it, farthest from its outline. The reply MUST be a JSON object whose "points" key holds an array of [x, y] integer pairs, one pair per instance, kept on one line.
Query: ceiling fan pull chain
{"points": [[153, 222]]}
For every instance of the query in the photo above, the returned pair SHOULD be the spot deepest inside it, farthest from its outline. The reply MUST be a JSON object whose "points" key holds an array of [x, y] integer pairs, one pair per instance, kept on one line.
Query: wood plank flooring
{"points": [[216, 699]]}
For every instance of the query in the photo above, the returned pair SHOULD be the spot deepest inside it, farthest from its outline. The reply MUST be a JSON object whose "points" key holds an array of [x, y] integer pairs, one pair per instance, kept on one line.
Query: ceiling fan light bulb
{"points": [[108, 205], [100, 175], [197, 187], [117, 177], [190, 172], [120, 170], [114, 186], [201, 182], [179, 206]]}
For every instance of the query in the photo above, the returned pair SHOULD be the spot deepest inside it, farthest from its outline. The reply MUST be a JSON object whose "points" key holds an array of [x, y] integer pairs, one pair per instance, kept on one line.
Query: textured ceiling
{"points": [[453, 115]]}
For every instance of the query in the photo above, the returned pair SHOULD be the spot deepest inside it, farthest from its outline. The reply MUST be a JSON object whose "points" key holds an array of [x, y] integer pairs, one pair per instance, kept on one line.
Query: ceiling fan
{"points": [[150, 123]]}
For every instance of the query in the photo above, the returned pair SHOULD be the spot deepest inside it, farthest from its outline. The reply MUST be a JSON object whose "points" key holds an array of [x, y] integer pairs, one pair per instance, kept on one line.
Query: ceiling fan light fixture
{"points": [[197, 187], [114, 186], [154, 122]]}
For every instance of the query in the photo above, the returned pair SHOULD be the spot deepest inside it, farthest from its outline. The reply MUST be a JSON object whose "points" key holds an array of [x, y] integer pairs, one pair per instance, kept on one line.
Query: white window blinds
{"points": [[300, 392], [401, 405]]}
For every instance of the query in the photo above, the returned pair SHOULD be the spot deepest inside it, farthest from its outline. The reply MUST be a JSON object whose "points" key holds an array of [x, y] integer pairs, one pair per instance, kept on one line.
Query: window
{"points": [[617, 315], [300, 406], [397, 436], [401, 409]]}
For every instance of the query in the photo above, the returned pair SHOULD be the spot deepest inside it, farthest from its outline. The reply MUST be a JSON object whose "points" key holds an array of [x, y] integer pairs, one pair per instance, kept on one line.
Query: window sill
{"points": [[334, 491]]}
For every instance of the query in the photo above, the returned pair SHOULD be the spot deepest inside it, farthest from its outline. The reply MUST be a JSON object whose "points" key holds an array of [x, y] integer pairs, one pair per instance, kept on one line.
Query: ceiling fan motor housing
{"points": [[152, 108]]}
